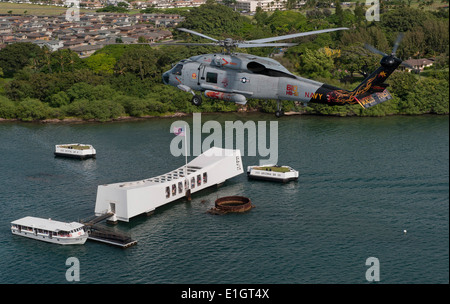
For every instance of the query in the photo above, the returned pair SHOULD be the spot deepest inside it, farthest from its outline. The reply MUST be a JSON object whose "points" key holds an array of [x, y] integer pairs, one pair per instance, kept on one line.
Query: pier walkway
{"points": [[98, 219], [106, 235]]}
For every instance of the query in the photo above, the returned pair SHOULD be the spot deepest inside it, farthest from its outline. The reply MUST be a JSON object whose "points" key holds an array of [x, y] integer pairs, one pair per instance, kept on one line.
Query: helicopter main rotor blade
{"points": [[184, 43], [374, 50], [196, 33], [252, 45], [397, 43], [271, 39]]}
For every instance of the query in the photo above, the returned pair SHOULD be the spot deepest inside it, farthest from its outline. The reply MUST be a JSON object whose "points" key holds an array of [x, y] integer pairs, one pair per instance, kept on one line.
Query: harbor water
{"points": [[368, 187]]}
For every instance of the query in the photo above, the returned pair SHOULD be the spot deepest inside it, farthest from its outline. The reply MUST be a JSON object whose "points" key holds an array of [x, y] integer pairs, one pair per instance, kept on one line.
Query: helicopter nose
{"points": [[165, 78]]}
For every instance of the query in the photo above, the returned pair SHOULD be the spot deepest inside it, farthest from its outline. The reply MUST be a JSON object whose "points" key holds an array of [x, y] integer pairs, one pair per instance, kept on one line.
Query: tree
{"points": [[436, 36], [413, 44], [214, 20], [428, 96], [16, 56], [360, 12], [112, 9], [373, 36], [290, 4], [102, 110], [101, 63], [82, 90], [403, 19], [59, 99], [284, 22], [139, 60], [18, 89], [32, 109], [142, 39], [46, 58], [7, 108], [402, 83], [260, 16], [65, 60], [339, 14], [316, 64], [355, 58], [342, 17]]}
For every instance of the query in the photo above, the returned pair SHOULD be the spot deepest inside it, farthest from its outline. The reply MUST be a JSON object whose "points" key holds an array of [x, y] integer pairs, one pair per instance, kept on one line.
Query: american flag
{"points": [[178, 131]]}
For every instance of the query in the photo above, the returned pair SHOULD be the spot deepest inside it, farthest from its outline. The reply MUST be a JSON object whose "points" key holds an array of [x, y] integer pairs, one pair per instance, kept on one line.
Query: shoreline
{"points": [[76, 120]]}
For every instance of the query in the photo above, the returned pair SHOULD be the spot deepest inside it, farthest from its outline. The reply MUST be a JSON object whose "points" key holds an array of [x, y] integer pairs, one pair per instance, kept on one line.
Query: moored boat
{"points": [[272, 173], [51, 231], [80, 151]]}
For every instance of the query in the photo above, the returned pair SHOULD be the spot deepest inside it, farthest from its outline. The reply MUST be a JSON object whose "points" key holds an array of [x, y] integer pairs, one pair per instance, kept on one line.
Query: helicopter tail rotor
{"points": [[391, 60]]}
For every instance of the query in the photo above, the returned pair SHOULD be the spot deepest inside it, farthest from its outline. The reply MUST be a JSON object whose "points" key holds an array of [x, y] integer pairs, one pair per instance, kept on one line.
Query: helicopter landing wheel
{"points": [[279, 113], [196, 100]]}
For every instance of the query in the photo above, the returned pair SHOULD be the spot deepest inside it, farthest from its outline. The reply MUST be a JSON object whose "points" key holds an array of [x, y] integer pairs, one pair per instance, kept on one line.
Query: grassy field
{"points": [[32, 9]]}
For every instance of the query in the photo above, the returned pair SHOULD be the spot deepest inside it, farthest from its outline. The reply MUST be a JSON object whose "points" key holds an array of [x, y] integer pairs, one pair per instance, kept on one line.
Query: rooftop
{"points": [[46, 224]]}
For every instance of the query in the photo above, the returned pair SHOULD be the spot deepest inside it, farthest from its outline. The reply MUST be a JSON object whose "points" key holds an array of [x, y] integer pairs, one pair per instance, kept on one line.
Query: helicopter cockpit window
{"points": [[177, 69], [211, 77], [258, 68]]}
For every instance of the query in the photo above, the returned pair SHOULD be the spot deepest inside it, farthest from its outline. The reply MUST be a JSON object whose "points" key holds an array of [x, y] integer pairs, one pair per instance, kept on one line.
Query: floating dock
{"points": [[275, 173], [106, 235], [79, 151]]}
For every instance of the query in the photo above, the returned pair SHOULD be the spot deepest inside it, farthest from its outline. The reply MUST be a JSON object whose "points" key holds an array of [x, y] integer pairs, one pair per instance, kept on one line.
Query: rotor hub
{"points": [[390, 61]]}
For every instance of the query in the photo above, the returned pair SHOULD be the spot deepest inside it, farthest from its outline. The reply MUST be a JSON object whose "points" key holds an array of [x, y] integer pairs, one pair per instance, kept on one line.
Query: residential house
{"points": [[86, 50], [70, 44], [53, 45], [143, 4], [93, 4], [417, 64]]}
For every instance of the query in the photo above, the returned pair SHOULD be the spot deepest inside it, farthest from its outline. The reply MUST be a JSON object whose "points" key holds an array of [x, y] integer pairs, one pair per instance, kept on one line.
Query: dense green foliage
{"points": [[112, 9], [125, 80]]}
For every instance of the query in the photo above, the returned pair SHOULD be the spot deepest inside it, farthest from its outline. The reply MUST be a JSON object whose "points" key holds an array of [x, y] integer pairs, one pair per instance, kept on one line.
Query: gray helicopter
{"points": [[237, 77]]}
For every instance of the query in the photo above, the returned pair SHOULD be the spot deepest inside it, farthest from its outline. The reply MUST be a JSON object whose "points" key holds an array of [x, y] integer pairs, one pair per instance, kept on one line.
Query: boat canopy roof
{"points": [[46, 224]]}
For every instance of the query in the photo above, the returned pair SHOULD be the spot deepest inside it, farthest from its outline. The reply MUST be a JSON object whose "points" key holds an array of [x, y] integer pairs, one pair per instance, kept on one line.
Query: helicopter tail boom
{"points": [[370, 92]]}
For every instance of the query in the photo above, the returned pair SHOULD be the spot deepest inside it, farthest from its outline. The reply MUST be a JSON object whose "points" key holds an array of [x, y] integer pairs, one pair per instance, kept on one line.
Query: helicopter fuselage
{"points": [[238, 77]]}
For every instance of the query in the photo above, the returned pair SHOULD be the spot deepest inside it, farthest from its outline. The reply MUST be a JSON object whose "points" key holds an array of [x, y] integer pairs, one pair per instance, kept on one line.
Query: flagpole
{"points": [[185, 150]]}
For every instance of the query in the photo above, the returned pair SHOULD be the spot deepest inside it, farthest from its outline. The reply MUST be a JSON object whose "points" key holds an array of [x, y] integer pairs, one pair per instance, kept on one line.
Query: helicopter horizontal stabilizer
{"points": [[374, 99]]}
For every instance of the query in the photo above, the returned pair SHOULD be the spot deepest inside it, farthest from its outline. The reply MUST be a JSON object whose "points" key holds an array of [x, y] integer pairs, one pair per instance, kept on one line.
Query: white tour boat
{"points": [[50, 231], [128, 199], [80, 151], [272, 173]]}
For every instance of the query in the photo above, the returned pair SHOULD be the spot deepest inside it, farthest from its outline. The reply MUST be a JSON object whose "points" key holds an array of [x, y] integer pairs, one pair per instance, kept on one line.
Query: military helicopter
{"points": [[237, 77]]}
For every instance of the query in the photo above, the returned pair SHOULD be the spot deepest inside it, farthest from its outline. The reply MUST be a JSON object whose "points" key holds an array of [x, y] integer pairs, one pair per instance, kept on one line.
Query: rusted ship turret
{"points": [[233, 204]]}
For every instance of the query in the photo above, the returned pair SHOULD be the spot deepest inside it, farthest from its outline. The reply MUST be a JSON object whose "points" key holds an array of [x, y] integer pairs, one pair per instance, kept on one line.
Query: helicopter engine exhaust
{"points": [[237, 98]]}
